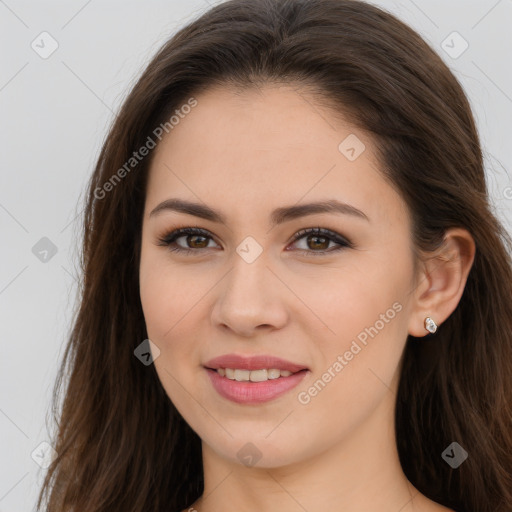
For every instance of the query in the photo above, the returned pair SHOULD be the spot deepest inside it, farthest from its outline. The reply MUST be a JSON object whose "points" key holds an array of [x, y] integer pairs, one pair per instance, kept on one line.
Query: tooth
{"points": [[274, 373], [241, 375], [254, 375], [258, 375]]}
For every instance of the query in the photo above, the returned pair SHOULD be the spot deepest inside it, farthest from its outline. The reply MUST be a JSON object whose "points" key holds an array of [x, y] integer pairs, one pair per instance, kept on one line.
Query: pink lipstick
{"points": [[253, 379]]}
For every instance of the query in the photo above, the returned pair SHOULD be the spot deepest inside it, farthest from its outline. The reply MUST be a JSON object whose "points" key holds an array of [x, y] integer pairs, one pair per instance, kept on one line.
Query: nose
{"points": [[250, 299]]}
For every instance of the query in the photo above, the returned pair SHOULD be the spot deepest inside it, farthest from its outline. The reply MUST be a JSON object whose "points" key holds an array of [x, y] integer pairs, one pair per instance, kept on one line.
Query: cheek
{"points": [[163, 298], [173, 300], [357, 366], [351, 301], [155, 292], [166, 291], [167, 303], [366, 312]]}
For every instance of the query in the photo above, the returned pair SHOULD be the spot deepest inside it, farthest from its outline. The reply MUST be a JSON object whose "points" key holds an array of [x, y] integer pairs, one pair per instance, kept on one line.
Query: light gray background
{"points": [[54, 115]]}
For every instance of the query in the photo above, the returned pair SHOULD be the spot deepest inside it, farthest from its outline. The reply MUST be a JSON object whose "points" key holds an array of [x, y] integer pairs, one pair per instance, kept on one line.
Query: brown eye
{"points": [[195, 240], [317, 241]]}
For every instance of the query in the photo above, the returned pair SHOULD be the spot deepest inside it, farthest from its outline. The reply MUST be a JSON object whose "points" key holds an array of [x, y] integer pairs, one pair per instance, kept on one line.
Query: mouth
{"points": [[241, 363], [261, 375], [253, 379]]}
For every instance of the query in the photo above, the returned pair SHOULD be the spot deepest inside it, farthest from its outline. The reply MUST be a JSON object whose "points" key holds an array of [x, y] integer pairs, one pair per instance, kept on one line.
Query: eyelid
{"points": [[333, 235], [171, 236], [342, 241]]}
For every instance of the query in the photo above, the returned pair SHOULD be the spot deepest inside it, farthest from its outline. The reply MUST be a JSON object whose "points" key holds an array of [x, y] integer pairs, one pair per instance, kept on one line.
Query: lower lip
{"points": [[246, 392]]}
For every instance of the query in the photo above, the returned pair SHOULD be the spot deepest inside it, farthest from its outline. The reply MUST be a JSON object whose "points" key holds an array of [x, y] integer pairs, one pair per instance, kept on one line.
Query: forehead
{"points": [[273, 144], [277, 119]]}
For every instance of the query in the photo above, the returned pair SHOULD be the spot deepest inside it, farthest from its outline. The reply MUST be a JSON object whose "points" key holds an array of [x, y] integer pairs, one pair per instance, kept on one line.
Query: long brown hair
{"points": [[121, 443]]}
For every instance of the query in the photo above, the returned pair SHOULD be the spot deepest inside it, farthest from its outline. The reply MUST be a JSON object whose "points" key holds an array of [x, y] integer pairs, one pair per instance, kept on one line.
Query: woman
{"points": [[295, 293]]}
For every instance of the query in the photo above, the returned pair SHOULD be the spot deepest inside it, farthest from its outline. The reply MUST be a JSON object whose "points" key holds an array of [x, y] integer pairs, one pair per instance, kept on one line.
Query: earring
{"points": [[430, 325]]}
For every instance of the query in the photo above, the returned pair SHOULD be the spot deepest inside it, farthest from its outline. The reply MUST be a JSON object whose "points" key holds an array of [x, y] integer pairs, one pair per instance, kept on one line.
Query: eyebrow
{"points": [[278, 216]]}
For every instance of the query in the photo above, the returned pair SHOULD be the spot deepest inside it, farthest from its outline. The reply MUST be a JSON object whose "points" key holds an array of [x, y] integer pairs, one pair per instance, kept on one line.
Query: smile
{"points": [[255, 378], [253, 375]]}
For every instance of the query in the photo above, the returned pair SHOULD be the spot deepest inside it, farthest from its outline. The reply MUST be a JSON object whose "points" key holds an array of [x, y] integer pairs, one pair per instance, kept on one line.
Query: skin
{"points": [[246, 153]]}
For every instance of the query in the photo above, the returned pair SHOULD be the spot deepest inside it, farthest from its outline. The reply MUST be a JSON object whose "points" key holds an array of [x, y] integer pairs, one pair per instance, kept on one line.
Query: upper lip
{"points": [[257, 362]]}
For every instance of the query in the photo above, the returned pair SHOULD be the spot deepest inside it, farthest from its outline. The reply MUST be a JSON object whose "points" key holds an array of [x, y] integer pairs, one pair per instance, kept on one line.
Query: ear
{"points": [[441, 280]]}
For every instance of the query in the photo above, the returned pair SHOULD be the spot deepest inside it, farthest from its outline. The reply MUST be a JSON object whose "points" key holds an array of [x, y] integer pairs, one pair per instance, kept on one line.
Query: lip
{"points": [[256, 362], [247, 392]]}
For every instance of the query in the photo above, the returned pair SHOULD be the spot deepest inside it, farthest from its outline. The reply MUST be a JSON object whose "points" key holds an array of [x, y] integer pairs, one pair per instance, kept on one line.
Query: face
{"points": [[335, 302]]}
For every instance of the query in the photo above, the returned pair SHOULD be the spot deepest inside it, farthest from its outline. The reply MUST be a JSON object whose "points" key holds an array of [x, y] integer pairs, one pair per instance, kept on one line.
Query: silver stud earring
{"points": [[430, 325]]}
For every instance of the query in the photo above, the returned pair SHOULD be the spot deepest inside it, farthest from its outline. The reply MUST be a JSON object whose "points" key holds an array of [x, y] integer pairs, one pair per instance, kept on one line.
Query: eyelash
{"points": [[171, 237]]}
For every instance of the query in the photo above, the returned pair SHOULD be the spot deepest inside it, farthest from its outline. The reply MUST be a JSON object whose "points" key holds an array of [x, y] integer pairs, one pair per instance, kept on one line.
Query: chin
{"points": [[255, 451]]}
